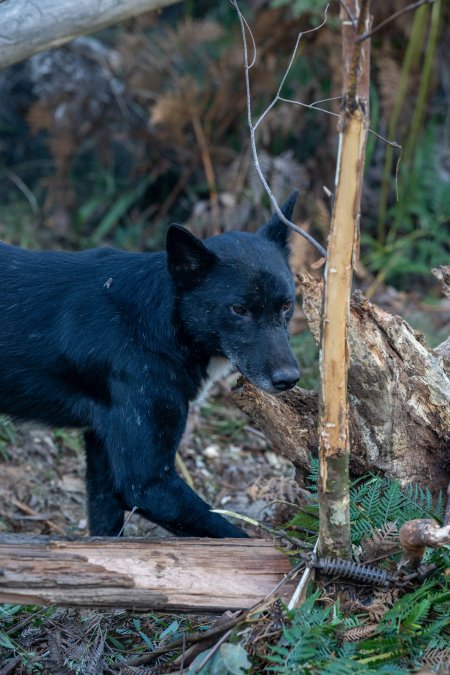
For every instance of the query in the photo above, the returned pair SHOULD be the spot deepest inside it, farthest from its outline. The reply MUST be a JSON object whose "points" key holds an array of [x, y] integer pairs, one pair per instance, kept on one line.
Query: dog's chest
{"points": [[218, 368]]}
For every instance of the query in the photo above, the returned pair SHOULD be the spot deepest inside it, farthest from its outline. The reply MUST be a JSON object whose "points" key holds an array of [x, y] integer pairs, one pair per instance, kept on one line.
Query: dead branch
{"points": [[200, 640], [288, 420], [28, 27], [416, 535], [392, 17], [399, 399], [253, 126]]}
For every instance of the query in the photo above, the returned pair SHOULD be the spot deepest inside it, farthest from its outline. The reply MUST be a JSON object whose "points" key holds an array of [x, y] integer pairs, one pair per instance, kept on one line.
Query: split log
{"points": [[207, 575], [399, 395], [29, 27]]}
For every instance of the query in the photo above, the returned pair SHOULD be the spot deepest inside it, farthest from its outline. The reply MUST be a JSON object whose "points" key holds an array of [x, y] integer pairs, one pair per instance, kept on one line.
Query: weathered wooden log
{"points": [[171, 574], [288, 420], [28, 27], [399, 394]]}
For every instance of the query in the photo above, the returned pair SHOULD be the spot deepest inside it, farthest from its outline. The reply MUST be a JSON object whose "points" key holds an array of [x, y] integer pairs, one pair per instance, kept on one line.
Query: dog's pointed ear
{"points": [[188, 259], [275, 230]]}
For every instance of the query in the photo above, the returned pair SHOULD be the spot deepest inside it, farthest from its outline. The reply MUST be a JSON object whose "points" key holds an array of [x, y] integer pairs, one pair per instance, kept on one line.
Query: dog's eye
{"points": [[238, 309], [286, 306]]}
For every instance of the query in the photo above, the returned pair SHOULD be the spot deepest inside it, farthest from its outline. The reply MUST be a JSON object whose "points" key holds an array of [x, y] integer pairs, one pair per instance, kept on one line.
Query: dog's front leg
{"points": [[141, 443]]}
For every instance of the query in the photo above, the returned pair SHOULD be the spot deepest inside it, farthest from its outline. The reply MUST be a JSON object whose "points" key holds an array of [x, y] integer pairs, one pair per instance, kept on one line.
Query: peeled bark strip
{"points": [[399, 399], [28, 27], [172, 574]]}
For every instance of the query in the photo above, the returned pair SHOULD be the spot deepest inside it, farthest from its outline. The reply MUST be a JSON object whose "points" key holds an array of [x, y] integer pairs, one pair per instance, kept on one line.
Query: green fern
{"points": [[374, 502], [383, 500], [312, 642]]}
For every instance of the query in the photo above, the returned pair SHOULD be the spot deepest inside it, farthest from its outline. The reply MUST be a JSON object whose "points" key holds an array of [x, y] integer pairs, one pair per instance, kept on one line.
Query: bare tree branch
{"points": [[409, 8], [311, 106], [349, 13], [253, 127]]}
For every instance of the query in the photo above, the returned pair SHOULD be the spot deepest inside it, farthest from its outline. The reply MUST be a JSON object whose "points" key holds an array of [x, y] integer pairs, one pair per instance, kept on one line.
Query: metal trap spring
{"points": [[365, 574]]}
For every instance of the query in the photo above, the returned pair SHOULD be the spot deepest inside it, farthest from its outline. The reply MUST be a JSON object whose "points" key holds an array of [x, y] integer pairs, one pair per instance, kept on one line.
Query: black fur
{"points": [[119, 344]]}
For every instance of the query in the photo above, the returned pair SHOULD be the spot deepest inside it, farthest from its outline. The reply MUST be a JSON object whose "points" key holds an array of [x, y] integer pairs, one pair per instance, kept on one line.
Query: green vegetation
{"points": [[418, 237], [413, 632], [327, 637]]}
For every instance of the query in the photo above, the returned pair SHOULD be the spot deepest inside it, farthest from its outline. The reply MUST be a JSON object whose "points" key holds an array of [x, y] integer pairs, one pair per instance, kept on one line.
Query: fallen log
{"points": [[29, 27], [172, 574], [399, 398]]}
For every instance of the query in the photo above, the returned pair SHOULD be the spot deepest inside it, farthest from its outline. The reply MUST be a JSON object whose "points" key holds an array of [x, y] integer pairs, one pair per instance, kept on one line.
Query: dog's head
{"points": [[236, 297]]}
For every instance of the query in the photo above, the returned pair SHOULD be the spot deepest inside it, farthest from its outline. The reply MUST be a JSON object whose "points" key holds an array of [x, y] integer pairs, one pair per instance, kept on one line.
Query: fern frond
{"points": [[380, 542], [406, 605], [359, 632], [390, 506], [437, 657]]}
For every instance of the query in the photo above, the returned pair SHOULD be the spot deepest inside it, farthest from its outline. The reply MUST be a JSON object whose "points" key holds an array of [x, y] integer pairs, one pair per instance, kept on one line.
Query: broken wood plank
{"points": [[170, 574]]}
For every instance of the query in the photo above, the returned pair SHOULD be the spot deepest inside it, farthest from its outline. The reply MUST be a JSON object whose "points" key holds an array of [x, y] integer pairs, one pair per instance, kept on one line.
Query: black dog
{"points": [[119, 344]]}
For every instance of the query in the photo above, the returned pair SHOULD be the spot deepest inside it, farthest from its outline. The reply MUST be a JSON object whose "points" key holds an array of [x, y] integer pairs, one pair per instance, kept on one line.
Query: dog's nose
{"points": [[285, 378]]}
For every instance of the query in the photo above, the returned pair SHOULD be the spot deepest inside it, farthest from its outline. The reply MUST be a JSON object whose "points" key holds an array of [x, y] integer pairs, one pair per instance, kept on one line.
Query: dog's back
{"points": [[67, 320]]}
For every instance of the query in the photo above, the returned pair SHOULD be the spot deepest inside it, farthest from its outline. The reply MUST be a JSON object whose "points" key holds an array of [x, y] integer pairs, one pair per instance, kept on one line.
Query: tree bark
{"points": [[172, 574], [343, 245], [28, 27], [399, 399]]}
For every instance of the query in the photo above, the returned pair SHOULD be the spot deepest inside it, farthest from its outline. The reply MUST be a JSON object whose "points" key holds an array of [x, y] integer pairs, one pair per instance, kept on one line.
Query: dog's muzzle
{"points": [[285, 378]]}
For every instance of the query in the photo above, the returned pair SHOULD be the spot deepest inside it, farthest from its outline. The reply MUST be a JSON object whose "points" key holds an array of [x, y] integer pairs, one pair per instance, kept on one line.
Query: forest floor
{"points": [[42, 491]]}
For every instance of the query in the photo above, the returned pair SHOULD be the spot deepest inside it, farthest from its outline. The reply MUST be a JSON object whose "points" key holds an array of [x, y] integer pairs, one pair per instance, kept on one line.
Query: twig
{"points": [[299, 594], [132, 512], [349, 13], [393, 144], [408, 8], [311, 106], [24, 622], [325, 100], [31, 512], [212, 651], [253, 127], [25, 190]]}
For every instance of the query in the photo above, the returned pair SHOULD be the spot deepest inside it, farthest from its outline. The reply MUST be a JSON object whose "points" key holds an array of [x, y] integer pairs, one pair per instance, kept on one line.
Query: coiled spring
{"points": [[365, 574]]}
